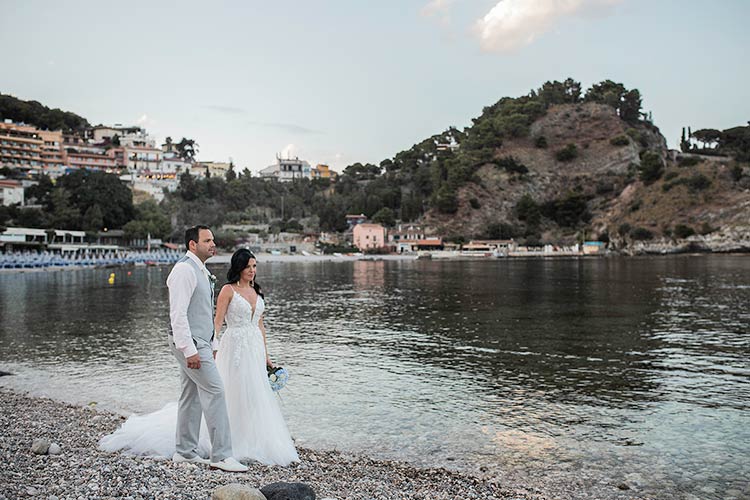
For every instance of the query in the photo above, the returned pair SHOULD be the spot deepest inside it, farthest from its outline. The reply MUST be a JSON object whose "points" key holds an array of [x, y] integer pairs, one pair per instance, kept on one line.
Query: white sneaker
{"points": [[229, 464], [177, 458]]}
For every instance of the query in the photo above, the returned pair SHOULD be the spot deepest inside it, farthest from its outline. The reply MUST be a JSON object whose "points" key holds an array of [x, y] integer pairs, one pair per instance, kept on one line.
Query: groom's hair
{"points": [[191, 234]]}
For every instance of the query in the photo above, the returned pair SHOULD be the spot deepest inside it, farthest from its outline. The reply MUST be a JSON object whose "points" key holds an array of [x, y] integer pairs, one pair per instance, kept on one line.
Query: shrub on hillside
{"points": [[706, 229], [620, 140], [688, 161], [698, 182], [474, 203], [651, 167], [603, 187], [541, 142], [568, 211], [736, 173], [568, 153], [641, 233], [511, 165], [637, 136], [682, 231]]}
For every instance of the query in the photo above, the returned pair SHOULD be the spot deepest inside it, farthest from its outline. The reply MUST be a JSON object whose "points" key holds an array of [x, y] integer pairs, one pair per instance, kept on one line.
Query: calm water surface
{"points": [[571, 375]]}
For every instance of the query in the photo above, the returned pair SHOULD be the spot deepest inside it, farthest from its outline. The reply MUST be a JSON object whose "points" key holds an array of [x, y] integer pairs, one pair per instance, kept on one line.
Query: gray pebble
{"points": [[236, 491], [54, 449], [40, 446]]}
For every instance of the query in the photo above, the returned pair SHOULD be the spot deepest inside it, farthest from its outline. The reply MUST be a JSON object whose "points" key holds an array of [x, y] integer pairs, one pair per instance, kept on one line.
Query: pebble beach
{"points": [[81, 471]]}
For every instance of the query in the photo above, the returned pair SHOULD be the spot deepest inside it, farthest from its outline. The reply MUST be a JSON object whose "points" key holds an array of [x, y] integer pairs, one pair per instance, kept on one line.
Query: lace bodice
{"points": [[242, 338], [240, 313]]}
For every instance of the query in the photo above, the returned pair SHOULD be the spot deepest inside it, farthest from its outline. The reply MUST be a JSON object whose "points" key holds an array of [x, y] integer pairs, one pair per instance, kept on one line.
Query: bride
{"points": [[257, 426]]}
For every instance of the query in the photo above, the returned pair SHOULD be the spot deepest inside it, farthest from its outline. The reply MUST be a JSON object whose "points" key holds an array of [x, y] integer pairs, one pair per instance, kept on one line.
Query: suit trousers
{"points": [[202, 392]]}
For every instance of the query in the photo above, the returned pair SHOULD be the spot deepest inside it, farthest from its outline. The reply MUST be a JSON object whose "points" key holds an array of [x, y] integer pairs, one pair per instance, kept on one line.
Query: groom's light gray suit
{"points": [[202, 388]]}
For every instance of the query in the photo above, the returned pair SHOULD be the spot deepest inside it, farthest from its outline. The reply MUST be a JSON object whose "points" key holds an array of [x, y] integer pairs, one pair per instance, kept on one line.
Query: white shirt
{"points": [[182, 282]]}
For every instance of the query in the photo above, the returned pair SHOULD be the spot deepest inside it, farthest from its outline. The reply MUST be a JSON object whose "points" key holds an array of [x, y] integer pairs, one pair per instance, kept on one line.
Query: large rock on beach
{"points": [[54, 449], [40, 446], [236, 491], [288, 491]]}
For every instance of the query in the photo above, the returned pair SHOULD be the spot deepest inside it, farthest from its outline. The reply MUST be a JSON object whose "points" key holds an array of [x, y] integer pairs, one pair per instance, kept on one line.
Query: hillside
{"points": [[693, 204], [39, 115]]}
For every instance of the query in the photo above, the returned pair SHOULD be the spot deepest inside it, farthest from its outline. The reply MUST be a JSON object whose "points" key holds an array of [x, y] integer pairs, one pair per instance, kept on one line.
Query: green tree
{"points": [[651, 167], [568, 211], [385, 216], [230, 175], [88, 188], [150, 219], [63, 214], [40, 192], [630, 107], [93, 219], [187, 149], [501, 231], [527, 210], [567, 92], [446, 200], [31, 217], [708, 136]]}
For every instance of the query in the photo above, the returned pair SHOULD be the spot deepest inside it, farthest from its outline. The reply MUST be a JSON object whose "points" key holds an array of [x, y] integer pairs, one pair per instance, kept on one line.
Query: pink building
{"points": [[368, 236]]}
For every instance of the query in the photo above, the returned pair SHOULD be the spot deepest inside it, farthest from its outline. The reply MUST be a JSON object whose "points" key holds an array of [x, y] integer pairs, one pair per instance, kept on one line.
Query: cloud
{"points": [[512, 24], [290, 151], [439, 9], [287, 127], [230, 110]]}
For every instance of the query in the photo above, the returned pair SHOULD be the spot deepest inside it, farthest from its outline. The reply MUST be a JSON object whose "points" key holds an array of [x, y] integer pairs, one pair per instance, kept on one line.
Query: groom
{"points": [[194, 346]]}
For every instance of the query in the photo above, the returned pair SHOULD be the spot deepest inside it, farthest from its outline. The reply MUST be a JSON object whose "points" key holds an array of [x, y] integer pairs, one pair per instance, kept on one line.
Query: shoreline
{"points": [[224, 258], [82, 470]]}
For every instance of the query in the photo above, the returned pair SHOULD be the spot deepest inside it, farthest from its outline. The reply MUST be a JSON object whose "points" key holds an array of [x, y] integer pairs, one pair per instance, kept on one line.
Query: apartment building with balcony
{"points": [[20, 146], [54, 157], [142, 160]]}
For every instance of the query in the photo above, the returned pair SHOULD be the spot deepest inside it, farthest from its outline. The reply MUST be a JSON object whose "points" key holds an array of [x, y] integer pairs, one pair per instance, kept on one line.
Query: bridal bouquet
{"points": [[277, 377]]}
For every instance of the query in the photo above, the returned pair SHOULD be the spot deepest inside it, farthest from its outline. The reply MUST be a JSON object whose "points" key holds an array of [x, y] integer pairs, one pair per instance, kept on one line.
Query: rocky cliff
{"points": [[675, 203]]}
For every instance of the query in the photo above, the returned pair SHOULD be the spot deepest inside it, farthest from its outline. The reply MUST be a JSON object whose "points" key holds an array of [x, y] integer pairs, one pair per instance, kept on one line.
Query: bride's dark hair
{"points": [[239, 261]]}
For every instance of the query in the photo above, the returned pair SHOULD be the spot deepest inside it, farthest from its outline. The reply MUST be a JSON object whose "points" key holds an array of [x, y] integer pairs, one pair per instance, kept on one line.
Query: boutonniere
{"points": [[212, 279]]}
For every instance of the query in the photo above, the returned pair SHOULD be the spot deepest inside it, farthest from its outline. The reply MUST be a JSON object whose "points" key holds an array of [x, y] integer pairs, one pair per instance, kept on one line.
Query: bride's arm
{"points": [[222, 302], [265, 345]]}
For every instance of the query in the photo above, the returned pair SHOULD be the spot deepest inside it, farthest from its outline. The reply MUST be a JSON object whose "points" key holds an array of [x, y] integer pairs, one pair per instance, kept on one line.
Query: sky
{"points": [[345, 81]]}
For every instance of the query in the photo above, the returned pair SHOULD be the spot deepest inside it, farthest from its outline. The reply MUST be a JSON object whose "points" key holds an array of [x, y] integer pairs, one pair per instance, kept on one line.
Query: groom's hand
{"points": [[193, 361]]}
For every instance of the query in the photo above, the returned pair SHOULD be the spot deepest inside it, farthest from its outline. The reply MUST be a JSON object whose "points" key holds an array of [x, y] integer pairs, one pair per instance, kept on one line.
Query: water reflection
{"points": [[509, 364]]}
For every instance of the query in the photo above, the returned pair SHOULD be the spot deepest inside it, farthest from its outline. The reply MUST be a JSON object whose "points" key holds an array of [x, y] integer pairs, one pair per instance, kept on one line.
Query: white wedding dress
{"points": [[257, 425]]}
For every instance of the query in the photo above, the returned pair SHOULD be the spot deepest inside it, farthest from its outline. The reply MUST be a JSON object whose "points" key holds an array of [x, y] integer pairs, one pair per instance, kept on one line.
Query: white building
{"points": [[142, 160], [126, 135], [287, 170], [11, 192]]}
